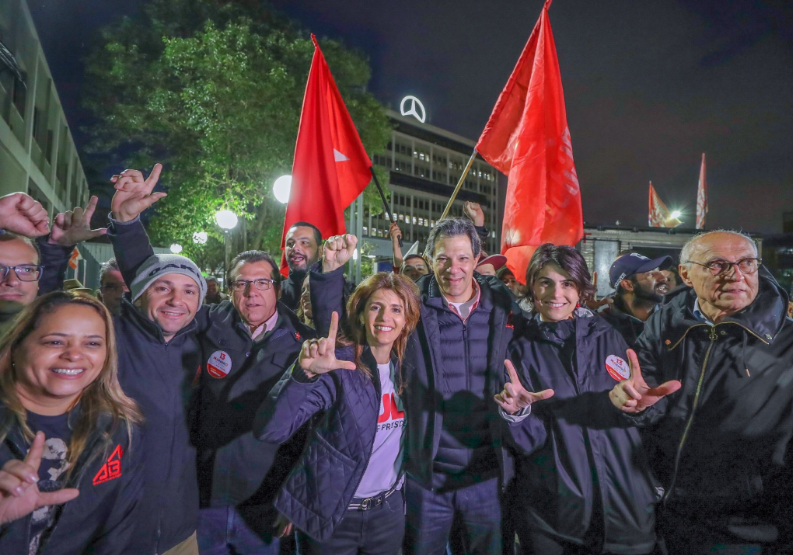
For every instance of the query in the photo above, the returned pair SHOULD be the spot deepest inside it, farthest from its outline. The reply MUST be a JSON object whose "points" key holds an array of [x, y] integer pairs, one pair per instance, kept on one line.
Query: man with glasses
{"points": [[714, 385], [244, 347], [33, 258]]}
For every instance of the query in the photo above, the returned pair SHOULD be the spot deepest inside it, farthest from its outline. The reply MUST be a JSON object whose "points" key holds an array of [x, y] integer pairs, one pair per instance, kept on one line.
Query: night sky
{"points": [[649, 86]]}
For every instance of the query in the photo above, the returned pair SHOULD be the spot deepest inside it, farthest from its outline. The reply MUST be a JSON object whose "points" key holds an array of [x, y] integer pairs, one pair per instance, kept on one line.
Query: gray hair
{"points": [[689, 247], [110, 265], [452, 227]]}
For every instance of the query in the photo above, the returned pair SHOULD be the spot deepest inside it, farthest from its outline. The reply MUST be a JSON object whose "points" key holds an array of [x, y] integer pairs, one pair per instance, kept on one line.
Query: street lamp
{"points": [[176, 248], [282, 188], [676, 214], [227, 220], [200, 237]]}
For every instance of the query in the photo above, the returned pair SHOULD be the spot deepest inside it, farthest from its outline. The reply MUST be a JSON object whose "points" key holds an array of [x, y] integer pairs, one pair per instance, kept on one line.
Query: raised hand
{"points": [[134, 194], [337, 251], [634, 395], [19, 213], [394, 232], [74, 226], [474, 213], [318, 356], [514, 397], [19, 492]]}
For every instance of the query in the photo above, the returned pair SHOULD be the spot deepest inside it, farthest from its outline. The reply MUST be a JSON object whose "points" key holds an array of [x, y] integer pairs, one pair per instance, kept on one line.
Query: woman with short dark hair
{"points": [[345, 494], [71, 477], [582, 483]]}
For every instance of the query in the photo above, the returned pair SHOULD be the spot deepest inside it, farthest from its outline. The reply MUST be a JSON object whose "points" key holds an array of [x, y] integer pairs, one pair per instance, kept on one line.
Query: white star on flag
{"points": [[338, 156]]}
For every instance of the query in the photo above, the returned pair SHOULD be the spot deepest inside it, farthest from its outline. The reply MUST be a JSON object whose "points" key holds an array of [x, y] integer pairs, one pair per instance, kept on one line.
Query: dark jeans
{"points": [[431, 516], [378, 531], [536, 543], [237, 531]]}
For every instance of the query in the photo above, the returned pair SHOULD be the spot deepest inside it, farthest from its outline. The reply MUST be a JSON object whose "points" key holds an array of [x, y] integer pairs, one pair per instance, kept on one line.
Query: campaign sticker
{"points": [[219, 364], [618, 368]]}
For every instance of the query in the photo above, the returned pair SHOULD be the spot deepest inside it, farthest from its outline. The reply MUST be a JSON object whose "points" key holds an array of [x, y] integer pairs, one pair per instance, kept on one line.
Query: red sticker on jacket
{"points": [[219, 364], [111, 469], [618, 368]]}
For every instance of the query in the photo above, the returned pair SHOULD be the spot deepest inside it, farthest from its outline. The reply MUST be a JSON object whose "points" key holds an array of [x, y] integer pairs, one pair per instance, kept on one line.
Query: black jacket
{"points": [[629, 326], [233, 466], [583, 477], [158, 375], [102, 519], [421, 369], [321, 486], [291, 288], [721, 445]]}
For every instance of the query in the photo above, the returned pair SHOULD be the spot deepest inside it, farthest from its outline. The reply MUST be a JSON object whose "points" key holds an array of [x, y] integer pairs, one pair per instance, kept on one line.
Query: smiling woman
{"points": [[67, 427]]}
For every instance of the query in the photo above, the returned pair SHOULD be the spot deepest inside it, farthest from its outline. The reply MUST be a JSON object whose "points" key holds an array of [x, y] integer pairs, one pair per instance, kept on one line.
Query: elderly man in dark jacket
{"points": [[243, 347], [454, 365], [721, 444]]}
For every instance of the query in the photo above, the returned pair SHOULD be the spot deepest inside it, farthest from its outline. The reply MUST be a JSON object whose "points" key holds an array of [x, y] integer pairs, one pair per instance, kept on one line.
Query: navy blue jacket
{"points": [[322, 484], [158, 375], [102, 519], [422, 368], [233, 466], [583, 475]]}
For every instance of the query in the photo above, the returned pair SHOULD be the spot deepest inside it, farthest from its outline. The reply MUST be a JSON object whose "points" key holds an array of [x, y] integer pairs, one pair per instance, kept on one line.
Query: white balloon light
{"points": [[200, 237], [176, 248], [226, 219], [282, 187]]}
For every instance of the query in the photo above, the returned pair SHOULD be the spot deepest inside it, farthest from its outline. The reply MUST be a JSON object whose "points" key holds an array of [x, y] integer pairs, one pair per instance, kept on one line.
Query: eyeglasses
{"points": [[260, 284], [718, 267], [24, 272]]}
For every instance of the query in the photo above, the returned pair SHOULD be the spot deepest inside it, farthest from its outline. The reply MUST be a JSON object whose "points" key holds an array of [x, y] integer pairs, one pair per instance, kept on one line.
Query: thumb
{"points": [[98, 232], [57, 497], [544, 394], [151, 199], [636, 370], [665, 388], [347, 365]]}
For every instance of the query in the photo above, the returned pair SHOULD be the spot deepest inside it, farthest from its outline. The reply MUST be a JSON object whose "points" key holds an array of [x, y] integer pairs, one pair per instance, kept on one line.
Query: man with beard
{"points": [[302, 250], [641, 286]]}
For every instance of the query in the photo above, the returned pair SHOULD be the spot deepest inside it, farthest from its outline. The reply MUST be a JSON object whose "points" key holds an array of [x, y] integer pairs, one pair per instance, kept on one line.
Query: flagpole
{"points": [[459, 184], [385, 202], [454, 194]]}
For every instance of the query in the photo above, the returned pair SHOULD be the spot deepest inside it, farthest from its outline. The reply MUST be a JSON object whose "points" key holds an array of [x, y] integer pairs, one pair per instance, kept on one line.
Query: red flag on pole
{"points": [[331, 167], [659, 214], [527, 138], [702, 196]]}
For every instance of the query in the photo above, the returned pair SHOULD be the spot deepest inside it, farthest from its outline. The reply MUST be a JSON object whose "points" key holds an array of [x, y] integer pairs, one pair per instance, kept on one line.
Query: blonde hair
{"points": [[103, 396]]}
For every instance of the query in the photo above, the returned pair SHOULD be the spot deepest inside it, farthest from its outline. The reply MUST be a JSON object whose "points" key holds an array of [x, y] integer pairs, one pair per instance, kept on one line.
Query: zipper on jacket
{"points": [[712, 336]]}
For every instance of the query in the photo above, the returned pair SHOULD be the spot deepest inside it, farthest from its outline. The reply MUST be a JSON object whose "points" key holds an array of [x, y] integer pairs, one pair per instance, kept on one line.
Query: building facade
{"points": [[37, 152], [424, 164]]}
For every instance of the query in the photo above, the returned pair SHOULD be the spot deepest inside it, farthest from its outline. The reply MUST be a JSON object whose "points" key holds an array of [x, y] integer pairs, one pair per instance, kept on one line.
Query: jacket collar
{"points": [[763, 318]]}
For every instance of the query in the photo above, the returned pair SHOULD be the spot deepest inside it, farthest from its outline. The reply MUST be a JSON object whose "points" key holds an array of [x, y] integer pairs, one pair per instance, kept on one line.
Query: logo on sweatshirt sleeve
{"points": [[111, 469]]}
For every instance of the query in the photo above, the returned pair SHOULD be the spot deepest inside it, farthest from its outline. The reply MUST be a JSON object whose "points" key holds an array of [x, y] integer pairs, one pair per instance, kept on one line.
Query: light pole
{"points": [[281, 188], [227, 220]]}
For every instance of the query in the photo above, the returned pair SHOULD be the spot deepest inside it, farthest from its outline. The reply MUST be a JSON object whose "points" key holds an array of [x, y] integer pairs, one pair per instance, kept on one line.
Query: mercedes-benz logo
{"points": [[412, 106]]}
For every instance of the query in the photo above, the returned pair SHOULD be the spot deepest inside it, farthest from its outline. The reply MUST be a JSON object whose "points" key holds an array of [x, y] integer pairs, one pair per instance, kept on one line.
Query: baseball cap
{"points": [[635, 263], [497, 260]]}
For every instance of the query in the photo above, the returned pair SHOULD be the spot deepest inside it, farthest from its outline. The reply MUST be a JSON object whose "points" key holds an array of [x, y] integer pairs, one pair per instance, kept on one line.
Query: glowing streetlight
{"points": [[226, 219], [676, 214], [200, 237], [282, 188], [176, 248]]}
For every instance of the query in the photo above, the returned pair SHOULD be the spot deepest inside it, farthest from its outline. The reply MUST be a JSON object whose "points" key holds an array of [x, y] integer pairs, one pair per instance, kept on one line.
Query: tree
{"points": [[214, 91]]}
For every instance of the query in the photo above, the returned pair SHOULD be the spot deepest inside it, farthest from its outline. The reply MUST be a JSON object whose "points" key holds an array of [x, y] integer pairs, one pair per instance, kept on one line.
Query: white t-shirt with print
{"points": [[385, 464]]}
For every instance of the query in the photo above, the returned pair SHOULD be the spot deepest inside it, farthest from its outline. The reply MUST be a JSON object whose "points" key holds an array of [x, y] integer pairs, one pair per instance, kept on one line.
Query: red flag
{"points": [[659, 214], [702, 196], [527, 138], [331, 166]]}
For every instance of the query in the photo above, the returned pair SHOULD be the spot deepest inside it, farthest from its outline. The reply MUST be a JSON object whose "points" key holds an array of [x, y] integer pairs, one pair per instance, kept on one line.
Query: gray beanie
{"points": [[158, 265]]}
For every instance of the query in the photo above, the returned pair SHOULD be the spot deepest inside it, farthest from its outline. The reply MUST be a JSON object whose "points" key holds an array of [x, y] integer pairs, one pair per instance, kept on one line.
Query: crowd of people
{"points": [[442, 407]]}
